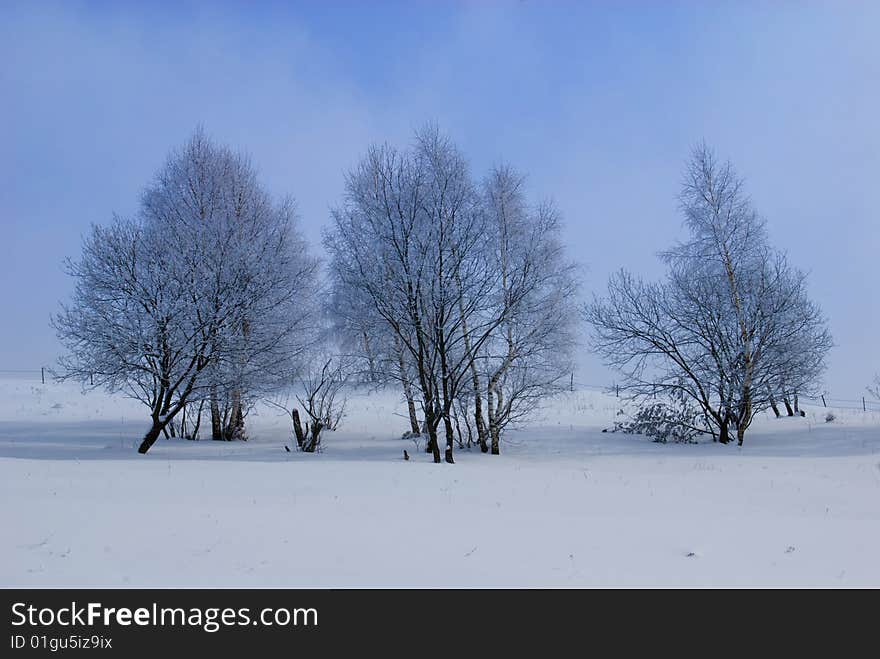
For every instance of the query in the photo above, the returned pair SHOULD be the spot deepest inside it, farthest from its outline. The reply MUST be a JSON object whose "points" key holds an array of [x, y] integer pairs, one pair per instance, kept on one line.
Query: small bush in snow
{"points": [[675, 420], [829, 417]]}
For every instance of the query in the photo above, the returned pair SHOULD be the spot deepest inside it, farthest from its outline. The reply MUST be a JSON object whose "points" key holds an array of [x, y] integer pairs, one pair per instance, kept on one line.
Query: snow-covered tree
{"points": [[206, 294], [423, 267], [732, 323], [406, 241], [529, 353]]}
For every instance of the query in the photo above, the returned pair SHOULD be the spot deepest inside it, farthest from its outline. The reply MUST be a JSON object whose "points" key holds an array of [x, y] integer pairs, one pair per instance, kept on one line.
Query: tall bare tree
{"points": [[529, 352], [731, 324], [421, 248]]}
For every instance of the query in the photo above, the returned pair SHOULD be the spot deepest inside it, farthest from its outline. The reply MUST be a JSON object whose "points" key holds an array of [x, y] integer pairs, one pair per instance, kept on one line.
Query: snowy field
{"points": [[565, 505]]}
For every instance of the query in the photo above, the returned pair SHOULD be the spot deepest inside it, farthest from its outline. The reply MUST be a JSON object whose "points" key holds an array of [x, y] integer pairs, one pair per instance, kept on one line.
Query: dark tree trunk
{"points": [[796, 410], [481, 425], [297, 429], [773, 405], [429, 429], [450, 438], [724, 432], [151, 436], [433, 445], [745, 415], [787, 406], [431, 422], [311, 444]]}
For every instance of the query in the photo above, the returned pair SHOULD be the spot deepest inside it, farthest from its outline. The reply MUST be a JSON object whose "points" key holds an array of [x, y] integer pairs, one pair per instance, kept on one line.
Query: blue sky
{"points": [[598, 102]]}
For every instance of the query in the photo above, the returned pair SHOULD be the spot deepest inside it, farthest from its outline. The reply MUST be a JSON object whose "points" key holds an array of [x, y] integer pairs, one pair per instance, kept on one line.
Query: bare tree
{"points": [[469, 285], [203, 292], [407, 240], [529, 352], [317, 391], [731, 324]]}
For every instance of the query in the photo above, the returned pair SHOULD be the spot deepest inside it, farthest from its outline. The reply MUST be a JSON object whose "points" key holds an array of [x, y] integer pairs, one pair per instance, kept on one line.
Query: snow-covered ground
{"points": [[565, 505]]}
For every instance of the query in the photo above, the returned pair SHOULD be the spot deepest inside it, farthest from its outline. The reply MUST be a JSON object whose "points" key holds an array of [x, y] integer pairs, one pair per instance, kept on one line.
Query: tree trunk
{"points": [[235, 430], [312, 443], [429, 428], [478, 399], [787, 405], [773, 404], [413, 418], [371, 362], [458, 432], [478, 419], [724, 433], [407, 389], [475, 376], [496, 439], [198, 423], [297, 428], [216, 421], [450, 438], [433, 445], [431, 421], [745, 414], [151, 436], [490, 410], [796, 410]]}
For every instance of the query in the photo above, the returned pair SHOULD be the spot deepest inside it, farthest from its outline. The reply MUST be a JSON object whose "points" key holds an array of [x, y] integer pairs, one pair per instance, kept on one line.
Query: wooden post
{"points": [[43, 374], [823, 401], [617, 390], [572, 381], [92, 379], [864, 407]]}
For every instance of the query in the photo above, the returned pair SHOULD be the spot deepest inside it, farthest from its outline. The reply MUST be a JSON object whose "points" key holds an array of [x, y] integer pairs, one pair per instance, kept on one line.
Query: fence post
{"points": [[823, 401], [864, 407], [43, 374], [572, 382], [92, 379], [617, 390]]}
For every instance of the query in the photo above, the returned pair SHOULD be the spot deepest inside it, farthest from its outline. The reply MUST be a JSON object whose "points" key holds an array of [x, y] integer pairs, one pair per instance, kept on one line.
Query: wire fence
{"points": [[26, 374], [864, 403]]}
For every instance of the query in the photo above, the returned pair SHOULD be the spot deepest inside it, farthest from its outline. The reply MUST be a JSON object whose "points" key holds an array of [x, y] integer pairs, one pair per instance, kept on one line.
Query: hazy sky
{"points": [[599, 103]]}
